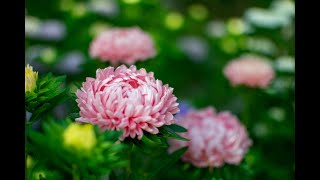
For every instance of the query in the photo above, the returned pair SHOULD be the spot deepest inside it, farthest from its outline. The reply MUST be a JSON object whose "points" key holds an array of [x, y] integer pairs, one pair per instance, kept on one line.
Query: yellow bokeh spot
{"points": [[48, 55], [131, 1], [174, 21], [81, 137], [235, 26], [79, 10], [29, 161], [198, 12], [31, 78]]}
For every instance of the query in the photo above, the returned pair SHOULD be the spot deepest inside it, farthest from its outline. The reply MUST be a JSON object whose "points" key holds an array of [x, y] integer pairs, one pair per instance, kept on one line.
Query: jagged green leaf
{"points": [[169, 133], [176, 128]]}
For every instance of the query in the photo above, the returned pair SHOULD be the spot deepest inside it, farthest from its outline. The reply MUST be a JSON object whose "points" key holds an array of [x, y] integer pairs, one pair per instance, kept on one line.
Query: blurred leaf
{"points": [[176, 128], [167, 132]]}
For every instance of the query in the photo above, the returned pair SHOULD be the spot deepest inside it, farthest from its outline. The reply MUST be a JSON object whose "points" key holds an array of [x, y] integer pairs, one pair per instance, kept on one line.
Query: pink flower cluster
{"points": [[250, 71], [126, 99], [122, 45], [215, 138]]}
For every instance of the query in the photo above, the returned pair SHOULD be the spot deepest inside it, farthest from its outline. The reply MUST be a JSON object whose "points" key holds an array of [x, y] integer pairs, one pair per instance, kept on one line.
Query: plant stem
{"points": [[75, 176]]}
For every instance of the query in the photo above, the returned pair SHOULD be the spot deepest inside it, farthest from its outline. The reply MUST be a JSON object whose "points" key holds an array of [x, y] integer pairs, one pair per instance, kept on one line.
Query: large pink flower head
{"points": [[126, 99], [215, 138], [249, 70], [122, 45]]}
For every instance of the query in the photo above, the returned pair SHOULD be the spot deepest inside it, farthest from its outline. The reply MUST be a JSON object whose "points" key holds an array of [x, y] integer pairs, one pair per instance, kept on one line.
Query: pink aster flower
{"points": [[126, 99], [215, 138], [122, 45], [250, 71]]}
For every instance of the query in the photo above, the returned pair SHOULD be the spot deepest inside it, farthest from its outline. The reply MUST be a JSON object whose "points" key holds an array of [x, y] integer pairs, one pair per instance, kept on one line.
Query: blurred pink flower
{"points": [[122, 45], [250, 71], [126, 99], [215, 138]]}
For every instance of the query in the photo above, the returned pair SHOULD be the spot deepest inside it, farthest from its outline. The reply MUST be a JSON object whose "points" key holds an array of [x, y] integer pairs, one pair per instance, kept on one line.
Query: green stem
{"points": [[248, 105], [75, 175]]}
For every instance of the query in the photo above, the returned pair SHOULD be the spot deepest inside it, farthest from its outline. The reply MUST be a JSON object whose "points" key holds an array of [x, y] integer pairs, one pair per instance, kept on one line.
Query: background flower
{"points": [[250, 71], [122, 45], [215, 138]]}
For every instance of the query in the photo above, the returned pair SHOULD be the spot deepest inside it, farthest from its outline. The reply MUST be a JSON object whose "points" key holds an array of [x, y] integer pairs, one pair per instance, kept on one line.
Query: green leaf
{"points": [[176, 128], [167, 132], [44, 107], [153, 137], [61, 78], [158, 140], [176, 136], [43, 99], [32, 104], [30, 96], [42, 91], [55, 93], [150, 142]]}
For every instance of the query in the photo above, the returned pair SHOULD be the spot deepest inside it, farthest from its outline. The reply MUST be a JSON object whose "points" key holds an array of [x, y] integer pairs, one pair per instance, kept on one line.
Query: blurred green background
{"points": [[194, 41]]}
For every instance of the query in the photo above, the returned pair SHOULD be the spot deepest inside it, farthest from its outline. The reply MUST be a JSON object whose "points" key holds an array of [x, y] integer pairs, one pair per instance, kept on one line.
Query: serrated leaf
{"points": [[30, 99], [42, 108], [153, 137], [176, 128], [43, 99], [30, 96], [55, 93], [49, 89], [164, 142], [176, 136], [149, 142], [167, 132], [44, 90], [157, 139], [42, 83], [47, 83]]}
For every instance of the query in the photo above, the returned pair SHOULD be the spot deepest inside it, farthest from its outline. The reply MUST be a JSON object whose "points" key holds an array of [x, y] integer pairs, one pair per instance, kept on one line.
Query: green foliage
{"points": [[48, 150], [48, 94], [157, 140]]}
